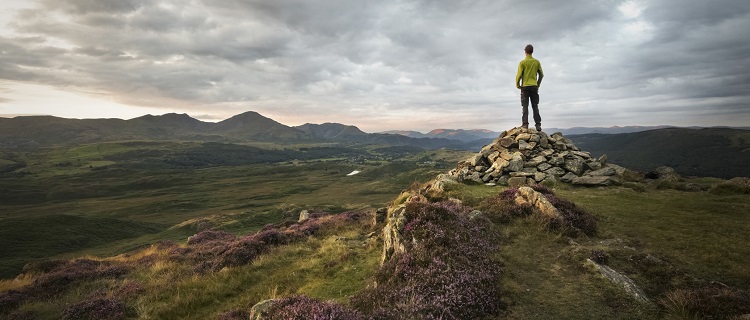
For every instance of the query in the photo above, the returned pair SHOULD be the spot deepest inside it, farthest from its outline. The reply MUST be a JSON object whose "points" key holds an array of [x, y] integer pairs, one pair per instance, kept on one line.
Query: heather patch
{"points": [[711, 302], [96, 309], [212, 250], [304, 308], [445, 272]]}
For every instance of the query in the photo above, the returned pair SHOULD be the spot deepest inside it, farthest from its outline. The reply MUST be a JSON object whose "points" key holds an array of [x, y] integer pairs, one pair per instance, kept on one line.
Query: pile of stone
{"points": [[524, 156]]}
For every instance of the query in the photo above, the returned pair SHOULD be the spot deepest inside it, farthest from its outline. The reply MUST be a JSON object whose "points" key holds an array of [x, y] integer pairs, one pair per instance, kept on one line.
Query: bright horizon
{"points": [[379, 66]]}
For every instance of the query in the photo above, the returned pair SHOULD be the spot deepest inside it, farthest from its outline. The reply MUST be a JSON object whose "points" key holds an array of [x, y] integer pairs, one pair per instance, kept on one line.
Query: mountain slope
{"points": [[253, 126], [714, 152], [344, 133]]}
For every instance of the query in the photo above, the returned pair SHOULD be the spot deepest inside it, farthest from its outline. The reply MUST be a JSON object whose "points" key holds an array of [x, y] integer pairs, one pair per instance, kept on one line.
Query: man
{"points": [[527, 81]]}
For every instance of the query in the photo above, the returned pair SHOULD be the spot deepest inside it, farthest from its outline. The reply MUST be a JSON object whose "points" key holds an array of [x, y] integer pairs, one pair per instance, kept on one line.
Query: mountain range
{"points": [[37, 131], [717, 152]]}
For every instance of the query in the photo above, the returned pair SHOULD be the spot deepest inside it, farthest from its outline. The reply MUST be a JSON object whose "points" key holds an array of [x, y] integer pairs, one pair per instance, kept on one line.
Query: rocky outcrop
{"points": [[260, 311], [525, 156], [537, 200], [621, 280]]}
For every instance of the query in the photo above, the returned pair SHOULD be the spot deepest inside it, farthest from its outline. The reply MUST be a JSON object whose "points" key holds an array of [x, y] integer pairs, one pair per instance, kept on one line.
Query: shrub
{"points": [[11, 299], [97, 309], [130, 289], [210, 236], [304, 308], [576, 220], [502, 208], [235, 315], [599, 256], [712, 302], [445, 271]]}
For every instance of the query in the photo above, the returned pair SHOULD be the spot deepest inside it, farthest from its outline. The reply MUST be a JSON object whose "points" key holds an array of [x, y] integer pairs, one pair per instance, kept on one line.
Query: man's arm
{"points": [[519, 75], [541, 75]]}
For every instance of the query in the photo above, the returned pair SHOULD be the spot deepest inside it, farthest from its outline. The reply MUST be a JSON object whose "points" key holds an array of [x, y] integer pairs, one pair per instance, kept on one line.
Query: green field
{"points": [[108, 198], [118, 202]]}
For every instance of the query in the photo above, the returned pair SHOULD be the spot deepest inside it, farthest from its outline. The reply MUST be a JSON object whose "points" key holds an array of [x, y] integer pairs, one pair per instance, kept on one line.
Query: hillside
{"points": [[248, 127], [706, 152], [351, 134], [228, 237]]}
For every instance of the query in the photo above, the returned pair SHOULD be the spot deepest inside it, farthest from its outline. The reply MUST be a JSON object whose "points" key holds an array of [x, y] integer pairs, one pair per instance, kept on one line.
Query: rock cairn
{"points": [[523, 156]]}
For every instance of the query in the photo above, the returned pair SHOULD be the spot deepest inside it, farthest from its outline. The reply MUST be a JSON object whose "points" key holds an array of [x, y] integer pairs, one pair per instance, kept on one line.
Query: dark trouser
{"points": [[530, 93]]}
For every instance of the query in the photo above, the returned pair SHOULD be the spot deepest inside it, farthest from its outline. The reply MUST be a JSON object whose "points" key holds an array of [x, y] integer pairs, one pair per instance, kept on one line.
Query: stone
{"points": [[260, 311], [523, 137], [621, 280], [556, 171], [523, 145], [536, 161], [543, 166], [515, 164], [574, 165], [507, 142], [556, 161], [506, 155], [392, 240], [521, 174], [667, 174], [475, 214], [546, 153], [543, 141], [568, 177], [500, 165], [503, 180], [581, 154], [594, 165], [380, 214], [595, 181], [487, 177], [608, 171], [477, 160], [474, 177], [535, 138], [539, 201], [486, 150], [603, 159], [303, 215], [493, 156], [550, 178], [539, 176], [515, 182], [559, 145]]}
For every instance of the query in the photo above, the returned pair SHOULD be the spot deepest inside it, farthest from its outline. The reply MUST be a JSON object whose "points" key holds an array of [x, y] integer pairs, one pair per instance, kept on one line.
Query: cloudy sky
{"points": [[379, 65]]}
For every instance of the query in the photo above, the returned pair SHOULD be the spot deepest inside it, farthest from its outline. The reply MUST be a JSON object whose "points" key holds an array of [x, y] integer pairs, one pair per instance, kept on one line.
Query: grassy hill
{"points": [[707, 152], [194, 230]]}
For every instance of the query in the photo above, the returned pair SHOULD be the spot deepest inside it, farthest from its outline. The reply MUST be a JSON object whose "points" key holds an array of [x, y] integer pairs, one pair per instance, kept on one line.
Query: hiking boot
{"points": [[539, 128]]}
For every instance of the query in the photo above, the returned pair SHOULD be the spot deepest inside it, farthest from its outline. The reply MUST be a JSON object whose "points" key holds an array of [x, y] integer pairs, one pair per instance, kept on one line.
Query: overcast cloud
{"points": [[385, 64]]}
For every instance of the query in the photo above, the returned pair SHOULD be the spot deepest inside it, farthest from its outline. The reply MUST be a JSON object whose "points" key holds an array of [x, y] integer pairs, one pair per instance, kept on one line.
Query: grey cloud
{"points": [[87, 6], [343, 56]]}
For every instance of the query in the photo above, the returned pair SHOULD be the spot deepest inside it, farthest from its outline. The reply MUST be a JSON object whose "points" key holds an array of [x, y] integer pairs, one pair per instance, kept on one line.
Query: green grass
{"points": [[130, 182], [698, 235], [27, 239], [697, 231], [322, 268]]}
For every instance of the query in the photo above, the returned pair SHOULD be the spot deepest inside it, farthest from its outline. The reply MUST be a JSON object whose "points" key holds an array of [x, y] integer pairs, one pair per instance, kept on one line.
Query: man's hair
{"points": [[529, 49]]}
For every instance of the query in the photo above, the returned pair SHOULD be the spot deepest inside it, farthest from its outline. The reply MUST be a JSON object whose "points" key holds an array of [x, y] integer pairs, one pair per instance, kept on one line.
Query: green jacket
{"points": [[527, 71]]}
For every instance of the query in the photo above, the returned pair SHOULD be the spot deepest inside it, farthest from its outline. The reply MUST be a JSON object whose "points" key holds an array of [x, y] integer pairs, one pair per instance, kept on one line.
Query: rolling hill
{"points": [[706, 152]]}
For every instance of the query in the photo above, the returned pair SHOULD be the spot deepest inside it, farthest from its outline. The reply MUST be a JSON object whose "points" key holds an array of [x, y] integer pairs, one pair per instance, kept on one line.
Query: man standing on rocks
{"points": [[527, 81]]}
